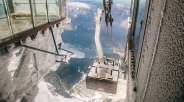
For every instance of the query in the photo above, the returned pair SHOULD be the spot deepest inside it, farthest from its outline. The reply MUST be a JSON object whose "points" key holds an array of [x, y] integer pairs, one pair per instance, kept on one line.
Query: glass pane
{"points": [[2, 11], [53, 10], [21, 15], [140, 16], [62, 8], [39, 12], [20, 1], [4, 27]]}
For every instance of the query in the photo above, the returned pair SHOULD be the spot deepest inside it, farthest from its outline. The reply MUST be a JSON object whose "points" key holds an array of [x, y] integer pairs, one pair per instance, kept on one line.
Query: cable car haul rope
{"points": [[108, 20]]}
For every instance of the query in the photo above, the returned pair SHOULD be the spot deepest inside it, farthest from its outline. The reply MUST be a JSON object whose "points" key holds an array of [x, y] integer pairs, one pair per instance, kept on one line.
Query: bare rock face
{"points": [[55, 80], [6, 84], [20, 73]]}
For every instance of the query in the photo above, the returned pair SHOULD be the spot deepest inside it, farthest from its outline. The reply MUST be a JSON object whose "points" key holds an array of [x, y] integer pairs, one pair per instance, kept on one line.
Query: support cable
{"points": [[111, 41], [108, 33], [33, 48]]}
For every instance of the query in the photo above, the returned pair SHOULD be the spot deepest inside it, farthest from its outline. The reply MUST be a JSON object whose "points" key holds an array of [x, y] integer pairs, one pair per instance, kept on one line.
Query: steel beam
{"points": [[53, 37], [33, 48]]}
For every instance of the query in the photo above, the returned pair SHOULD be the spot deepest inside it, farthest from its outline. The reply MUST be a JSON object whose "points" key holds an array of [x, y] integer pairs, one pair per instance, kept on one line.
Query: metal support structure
{"points": [[19, 65], [66, 50], [14, 37], [31, 8], [33, 48], [25, 34], [134, 16], [50, 28], [47, 10], [7, 11]]}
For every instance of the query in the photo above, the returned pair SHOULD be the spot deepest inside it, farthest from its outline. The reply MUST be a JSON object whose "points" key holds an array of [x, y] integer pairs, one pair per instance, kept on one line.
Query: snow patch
{"points": [[15, 60], [120, 6], [83, 76], [79, 5], [119, 53], [68, 20], [77, 54], [46, 93], [125, 23]]}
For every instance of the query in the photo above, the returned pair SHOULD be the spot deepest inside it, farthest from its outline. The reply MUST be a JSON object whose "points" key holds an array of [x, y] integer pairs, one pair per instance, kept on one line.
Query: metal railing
{"points": [[17, 16]]}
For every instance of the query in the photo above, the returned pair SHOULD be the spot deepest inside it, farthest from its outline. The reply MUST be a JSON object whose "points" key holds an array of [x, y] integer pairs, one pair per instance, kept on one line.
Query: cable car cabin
{"points": [[103, 76]]}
